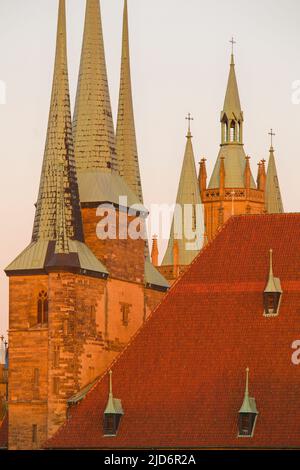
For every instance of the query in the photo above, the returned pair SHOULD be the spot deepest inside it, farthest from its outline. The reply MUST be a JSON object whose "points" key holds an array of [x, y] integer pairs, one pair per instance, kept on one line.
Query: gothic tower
{"points": [[232, 189], [69, 314], [56, 284], [99, 181]]}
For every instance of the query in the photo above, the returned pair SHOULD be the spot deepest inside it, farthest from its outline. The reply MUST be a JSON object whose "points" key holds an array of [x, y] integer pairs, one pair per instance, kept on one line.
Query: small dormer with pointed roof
{"points": [[272, 293], [113, 412], [248, 413]]}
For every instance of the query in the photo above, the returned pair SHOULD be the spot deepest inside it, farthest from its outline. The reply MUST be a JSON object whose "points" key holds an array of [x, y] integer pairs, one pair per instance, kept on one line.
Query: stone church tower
{"points": [[75, 300], [232, 189]]}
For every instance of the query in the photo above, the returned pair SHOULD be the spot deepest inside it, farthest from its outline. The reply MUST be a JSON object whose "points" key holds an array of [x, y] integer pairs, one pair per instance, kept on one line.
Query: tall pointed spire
{"points": [[232, 105], [94, 138], [58, 171], [188, 196], [232, 122], [128, 162], [57, 240], [273, 200]]}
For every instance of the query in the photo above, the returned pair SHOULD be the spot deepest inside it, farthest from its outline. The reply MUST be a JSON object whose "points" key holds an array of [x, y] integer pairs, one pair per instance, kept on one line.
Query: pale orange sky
{"points": [[180, 55]]}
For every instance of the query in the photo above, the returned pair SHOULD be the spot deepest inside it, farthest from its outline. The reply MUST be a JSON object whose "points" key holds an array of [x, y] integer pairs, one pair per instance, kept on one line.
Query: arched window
{"points": [[232, 132], [238, 133], [42, 308], [226, 132]]}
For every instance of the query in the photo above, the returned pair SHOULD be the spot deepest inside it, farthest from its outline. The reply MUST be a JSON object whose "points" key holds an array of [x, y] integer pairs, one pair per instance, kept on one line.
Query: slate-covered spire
{"points": [[94, 137], [188, 197], [58, 199], [128, 162], [232, 105], [57, 240], [273, 198], [232, 122]]}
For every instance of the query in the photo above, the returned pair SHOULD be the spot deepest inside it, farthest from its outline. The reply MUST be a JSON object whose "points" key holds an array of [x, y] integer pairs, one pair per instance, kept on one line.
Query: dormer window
{"points": [[272, 292], [112, 414], [247, 414]]}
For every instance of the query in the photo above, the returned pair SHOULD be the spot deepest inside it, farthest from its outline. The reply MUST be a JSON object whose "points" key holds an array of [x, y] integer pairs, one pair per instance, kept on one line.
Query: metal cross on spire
{"points": [[272, 134], [189, 118], [233, 42]]}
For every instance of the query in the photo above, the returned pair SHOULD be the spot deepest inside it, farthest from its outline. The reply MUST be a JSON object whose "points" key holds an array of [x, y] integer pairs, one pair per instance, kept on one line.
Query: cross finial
{"points": [[189, 118], [233, 42], [272, 134]]}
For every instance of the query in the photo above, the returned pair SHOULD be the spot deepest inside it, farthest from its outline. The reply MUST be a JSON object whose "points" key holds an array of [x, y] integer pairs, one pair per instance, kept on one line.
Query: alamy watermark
{"points": [[135, 222], [296, 353]]}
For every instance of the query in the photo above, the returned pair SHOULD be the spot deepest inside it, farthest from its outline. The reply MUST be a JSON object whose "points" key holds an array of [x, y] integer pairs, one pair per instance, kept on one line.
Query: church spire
{"points": [[57, 240], [128, 163], [232, 114], [94, 138], [58, 200], [232, 122], [188, 197], [273, 200]]}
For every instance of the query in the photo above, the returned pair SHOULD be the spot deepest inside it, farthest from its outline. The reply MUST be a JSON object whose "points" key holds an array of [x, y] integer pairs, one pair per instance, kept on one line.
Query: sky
{"points": [[180, 55]]}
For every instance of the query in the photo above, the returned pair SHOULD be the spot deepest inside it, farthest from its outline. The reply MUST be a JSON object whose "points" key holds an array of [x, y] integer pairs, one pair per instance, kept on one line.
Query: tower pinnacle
{"points": [[57, 239], [58, 180], [94, 138], [273, 200], [126, 145], [232, 110], [232, 123], [188, 196]]}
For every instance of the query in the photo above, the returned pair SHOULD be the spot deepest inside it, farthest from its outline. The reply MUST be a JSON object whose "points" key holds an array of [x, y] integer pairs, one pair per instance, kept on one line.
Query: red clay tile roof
{"points": [[4, 433], [182, 379]]}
